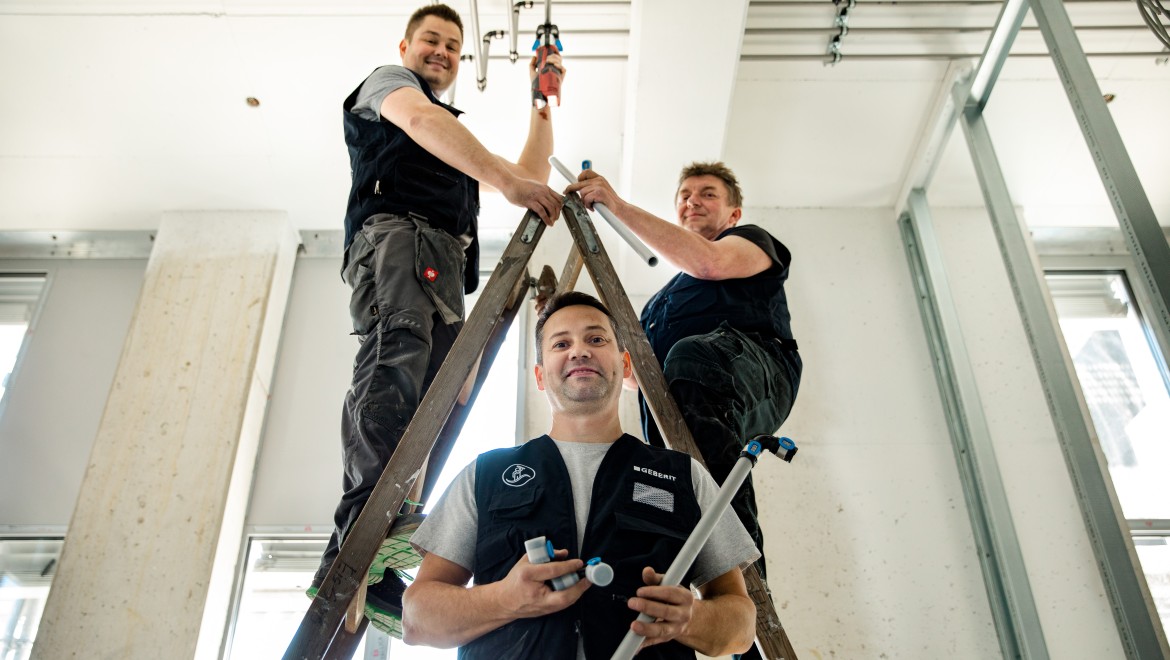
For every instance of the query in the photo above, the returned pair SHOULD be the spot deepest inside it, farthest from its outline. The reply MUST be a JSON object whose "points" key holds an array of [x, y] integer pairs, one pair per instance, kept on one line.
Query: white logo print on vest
{"points": [[517, 475]]}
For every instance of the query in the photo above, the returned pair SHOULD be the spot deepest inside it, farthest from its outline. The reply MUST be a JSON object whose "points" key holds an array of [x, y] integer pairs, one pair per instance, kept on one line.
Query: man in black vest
{"points": [[412, 251], [593, 491], [720, 328]]}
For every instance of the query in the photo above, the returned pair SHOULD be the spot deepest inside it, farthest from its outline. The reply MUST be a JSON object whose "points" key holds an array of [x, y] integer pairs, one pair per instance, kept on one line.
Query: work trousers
{"points": [[730, 386], [407, 309]]}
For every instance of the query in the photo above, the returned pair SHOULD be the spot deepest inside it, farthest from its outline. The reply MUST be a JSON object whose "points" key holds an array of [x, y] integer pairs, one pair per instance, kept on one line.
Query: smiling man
{"points": [[592, 491], [412, 251], [721, 328]]}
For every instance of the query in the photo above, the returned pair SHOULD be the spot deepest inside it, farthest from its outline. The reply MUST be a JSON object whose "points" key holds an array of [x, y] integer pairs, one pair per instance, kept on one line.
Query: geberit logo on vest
{"points": [[517, 475], [654, 473]]}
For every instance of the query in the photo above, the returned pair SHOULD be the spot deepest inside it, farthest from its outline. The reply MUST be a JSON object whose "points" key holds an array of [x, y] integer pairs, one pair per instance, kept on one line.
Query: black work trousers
{"points": [[407, 309], [731, 386]]}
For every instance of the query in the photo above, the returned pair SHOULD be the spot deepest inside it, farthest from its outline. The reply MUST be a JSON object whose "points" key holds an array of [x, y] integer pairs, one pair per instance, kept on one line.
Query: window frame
{"points": [[33, 322]]}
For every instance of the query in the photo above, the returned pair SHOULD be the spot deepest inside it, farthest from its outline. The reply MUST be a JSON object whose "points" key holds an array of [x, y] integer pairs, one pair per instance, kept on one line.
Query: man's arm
{"points": [[730, 258], [440, 133], [533, 162], [440, 610], [721, 622]]}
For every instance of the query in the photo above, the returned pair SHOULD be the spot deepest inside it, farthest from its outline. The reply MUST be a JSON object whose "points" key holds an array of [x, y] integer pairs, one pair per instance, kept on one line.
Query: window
{"points": [[18, 298], [278, 568], [27, 567], [1125, 389]]}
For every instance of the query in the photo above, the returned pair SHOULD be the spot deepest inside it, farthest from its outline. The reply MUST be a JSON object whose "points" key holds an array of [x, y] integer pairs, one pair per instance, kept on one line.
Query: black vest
{"points": [[688, 306], [524, 492], [391, 173]]}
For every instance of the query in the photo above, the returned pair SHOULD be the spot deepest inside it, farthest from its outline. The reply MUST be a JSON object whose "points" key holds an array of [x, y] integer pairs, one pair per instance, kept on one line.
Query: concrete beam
{"points": [[147, 566]]}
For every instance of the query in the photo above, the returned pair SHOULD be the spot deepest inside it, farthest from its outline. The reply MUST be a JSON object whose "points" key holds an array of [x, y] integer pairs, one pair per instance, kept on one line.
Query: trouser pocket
{"points": [[359, 275], [439, 267]]}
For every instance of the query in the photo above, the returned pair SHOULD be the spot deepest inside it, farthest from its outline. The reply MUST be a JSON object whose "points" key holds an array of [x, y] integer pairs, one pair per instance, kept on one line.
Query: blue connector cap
{"points": [[785, 448], [549, 546], [586, 164]]}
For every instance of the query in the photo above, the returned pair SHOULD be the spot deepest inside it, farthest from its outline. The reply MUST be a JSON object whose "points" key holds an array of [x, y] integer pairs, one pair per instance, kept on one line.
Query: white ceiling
{"points": [[113, 112]]}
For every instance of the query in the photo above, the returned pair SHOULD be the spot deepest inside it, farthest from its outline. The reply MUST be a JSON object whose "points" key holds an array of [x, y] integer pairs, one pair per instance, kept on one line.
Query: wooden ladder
{"points": [[333, 624]]}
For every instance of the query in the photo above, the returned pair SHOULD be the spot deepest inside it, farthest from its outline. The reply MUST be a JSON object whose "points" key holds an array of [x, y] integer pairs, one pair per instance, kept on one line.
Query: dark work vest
{"points": [[391, 173], [688, 306], [642, 510]]}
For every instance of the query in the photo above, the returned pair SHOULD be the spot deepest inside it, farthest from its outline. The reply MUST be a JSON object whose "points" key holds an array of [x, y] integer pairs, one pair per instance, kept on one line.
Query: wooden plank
{"points": [[327, 610], [651, 381], [571, 271], [458, 418], [357, 606]]}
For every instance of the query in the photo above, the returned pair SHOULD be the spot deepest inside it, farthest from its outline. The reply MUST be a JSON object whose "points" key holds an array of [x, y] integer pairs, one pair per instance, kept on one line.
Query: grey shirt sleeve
{"points": [[382, 81], [451, 527], [730, 546]]}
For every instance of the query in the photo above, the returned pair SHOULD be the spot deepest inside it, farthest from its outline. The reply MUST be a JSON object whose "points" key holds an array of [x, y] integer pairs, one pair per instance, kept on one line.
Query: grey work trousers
{"points": [[407, 309], [730, 386]]}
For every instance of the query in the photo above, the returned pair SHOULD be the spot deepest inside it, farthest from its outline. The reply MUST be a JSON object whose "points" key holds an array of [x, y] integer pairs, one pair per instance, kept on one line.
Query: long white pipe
{"points": [[622, 230], [686, 556]]}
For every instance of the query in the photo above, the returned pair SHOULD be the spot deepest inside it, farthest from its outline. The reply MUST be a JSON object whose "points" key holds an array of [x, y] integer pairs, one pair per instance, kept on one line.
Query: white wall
{"points": [[1070, 596], [57, 397], [298, 474], [870, 548]]}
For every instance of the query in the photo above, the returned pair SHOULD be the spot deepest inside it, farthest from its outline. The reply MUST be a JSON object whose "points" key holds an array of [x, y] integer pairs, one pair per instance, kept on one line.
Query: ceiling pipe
{"points": [[478, 45]]}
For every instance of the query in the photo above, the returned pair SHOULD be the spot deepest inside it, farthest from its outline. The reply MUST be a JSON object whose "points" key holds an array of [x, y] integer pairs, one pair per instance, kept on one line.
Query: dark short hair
{"points": [[569, 299], [437, 10], [720, 171]]}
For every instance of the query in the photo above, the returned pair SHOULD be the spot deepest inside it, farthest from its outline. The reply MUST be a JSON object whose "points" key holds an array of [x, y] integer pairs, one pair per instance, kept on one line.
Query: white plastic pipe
{"points": [[695, 542], [634, 242]]}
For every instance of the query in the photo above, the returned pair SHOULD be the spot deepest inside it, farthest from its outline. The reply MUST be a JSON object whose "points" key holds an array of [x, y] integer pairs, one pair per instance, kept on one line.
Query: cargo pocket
{"points": [[359, 275], [439, 268]]}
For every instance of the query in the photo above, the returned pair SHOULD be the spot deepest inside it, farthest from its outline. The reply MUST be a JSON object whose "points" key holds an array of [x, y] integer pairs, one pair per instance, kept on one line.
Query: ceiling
{"points": [[113, 112]]}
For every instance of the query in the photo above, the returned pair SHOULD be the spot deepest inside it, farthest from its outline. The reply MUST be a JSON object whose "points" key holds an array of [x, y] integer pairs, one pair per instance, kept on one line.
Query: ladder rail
{"points": [[326, 612]]}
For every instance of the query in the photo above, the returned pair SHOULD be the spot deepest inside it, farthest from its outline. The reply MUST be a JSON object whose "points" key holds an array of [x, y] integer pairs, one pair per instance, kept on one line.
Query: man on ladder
{"points": [[412, 251], [721, 328]]}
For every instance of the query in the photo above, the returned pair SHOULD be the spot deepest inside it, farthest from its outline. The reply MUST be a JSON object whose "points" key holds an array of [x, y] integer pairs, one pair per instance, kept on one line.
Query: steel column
{"points": [[1009, 592], [1135, 215], [1133, 609]]}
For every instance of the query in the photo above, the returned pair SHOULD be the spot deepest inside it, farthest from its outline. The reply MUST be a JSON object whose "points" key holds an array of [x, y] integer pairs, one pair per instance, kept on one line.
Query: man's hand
{"points": [[555, 60], [535, 196], [594, 189], [671, 608], [523, 593]]}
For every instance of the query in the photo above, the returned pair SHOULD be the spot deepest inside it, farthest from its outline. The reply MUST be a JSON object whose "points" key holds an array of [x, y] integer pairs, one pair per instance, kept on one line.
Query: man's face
{"points": [[582, 363], [433, 52], [703, 206]]}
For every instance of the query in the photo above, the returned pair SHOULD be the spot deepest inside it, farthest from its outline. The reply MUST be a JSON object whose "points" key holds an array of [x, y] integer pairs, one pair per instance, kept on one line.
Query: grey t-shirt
{"points": [[451, 526], [382, 81]]}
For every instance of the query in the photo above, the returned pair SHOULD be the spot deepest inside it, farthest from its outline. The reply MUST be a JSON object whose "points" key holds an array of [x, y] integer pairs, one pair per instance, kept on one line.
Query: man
{"points": [[720, 328], [411, 252], [592, 491]]}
